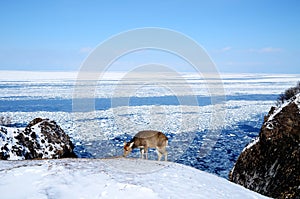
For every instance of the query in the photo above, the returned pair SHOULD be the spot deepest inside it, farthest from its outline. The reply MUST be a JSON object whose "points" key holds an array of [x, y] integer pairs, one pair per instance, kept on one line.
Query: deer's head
{"points": [[127, 148]]}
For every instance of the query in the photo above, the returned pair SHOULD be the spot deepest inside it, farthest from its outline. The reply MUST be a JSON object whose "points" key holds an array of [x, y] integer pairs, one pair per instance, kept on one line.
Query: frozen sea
{"points": [[181, 107]]}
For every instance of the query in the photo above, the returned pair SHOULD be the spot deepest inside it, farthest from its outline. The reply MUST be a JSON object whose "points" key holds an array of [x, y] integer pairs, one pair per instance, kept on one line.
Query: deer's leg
{"points": [[160, 152], [166, 155], [146, 152], [142, 153], [159, 155]]}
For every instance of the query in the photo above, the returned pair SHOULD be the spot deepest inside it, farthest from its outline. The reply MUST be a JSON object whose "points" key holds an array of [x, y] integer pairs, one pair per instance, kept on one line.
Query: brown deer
{"points": [[148, 139]]}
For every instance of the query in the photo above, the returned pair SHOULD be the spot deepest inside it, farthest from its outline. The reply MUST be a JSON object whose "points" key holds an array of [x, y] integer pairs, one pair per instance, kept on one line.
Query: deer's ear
{"points": [[131, 144], [125, 143]]}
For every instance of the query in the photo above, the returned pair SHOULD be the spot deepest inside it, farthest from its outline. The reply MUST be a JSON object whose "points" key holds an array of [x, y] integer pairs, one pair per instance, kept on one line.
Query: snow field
{"points": [[106, 178]]}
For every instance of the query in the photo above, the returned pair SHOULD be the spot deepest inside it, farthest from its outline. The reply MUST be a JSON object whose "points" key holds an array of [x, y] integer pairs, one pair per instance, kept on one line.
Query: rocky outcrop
{"points": [[42, 138], [271, 164]]}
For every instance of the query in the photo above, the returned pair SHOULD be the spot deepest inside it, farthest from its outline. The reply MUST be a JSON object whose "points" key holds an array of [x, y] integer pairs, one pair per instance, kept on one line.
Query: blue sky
{"points": [[240, 36]]}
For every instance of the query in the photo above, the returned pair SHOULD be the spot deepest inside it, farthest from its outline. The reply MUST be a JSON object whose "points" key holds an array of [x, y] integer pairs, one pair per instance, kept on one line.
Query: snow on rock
{"points": [[251, 144], [274, 111], [9, 146], [270, 165], [42, 138], [297, 100], [112, 178]]}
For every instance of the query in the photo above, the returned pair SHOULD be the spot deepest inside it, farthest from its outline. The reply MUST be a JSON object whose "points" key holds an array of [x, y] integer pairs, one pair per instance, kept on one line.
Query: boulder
{"points": [[270, 164], [41, 139]]}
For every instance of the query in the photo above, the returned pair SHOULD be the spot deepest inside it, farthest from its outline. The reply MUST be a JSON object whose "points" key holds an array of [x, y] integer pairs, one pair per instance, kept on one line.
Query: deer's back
{"points": [[150, 138]]}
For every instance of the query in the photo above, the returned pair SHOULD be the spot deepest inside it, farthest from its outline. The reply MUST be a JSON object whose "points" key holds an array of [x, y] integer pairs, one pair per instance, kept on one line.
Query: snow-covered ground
{"points": [[112, 178]]}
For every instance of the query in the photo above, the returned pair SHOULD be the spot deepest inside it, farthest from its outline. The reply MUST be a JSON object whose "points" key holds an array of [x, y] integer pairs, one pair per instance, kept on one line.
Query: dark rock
{"points": [[271, 165], [42, 138], [34, 122]]}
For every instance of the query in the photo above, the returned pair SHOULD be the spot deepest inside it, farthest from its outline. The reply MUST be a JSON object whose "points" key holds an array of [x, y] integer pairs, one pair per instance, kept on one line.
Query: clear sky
{"points": [[240, 36]]}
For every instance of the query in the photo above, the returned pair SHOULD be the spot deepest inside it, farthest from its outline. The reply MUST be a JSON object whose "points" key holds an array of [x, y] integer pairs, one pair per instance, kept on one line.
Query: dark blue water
{"points": [[224, 154], [65, 105]]}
